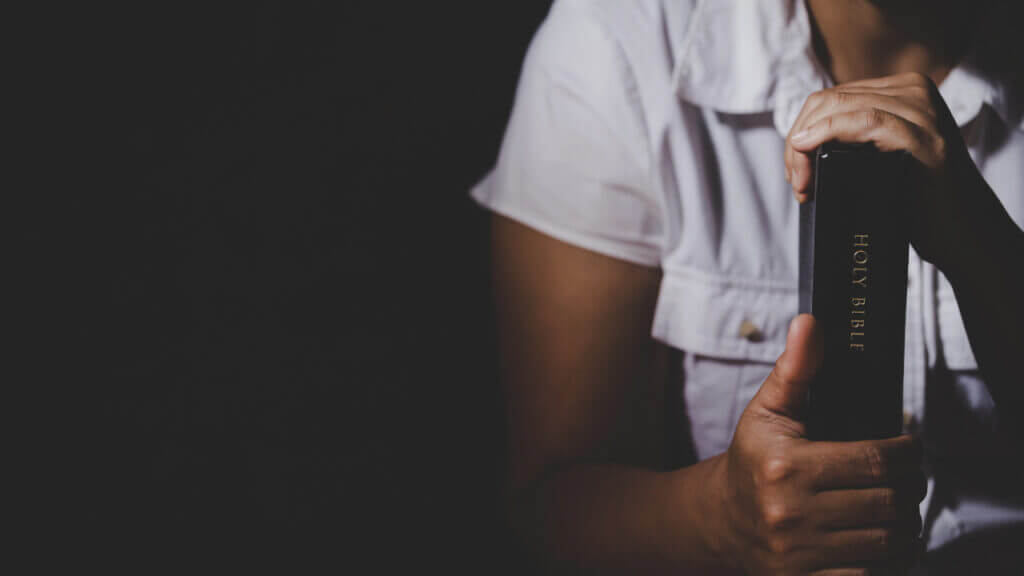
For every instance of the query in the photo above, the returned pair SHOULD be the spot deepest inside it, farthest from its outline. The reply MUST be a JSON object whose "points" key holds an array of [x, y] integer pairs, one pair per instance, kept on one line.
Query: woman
{"points": [[645, 187]]}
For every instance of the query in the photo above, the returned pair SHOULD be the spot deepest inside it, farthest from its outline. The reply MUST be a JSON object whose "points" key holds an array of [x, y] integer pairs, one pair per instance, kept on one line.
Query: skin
{"points": [[584, 380], [960, 216], [585, 490]]}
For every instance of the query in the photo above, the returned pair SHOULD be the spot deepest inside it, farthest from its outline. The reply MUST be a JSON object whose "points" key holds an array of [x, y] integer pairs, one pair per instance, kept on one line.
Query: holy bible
{"points": [[853, 279]]}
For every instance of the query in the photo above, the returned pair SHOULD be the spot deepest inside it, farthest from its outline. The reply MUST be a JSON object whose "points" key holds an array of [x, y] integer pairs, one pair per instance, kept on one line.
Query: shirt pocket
{"points": [[731, 332]]}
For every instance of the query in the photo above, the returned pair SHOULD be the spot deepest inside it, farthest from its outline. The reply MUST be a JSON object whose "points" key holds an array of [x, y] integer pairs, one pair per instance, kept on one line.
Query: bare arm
{"points": [[987, 274], [584, 401], [959, 223], [584, 389]]}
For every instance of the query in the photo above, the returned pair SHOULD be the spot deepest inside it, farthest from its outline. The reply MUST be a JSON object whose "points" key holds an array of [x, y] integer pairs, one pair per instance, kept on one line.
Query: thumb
{"points": [[784, 392]]}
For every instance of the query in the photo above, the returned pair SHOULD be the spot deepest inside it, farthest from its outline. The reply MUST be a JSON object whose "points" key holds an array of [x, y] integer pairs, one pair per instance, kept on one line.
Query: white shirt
{"points": [[653, 131]]}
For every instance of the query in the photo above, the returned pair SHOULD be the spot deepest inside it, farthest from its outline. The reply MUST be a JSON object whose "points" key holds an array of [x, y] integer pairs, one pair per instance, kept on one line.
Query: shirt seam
{"points": [[643, 255], [688, 274]]}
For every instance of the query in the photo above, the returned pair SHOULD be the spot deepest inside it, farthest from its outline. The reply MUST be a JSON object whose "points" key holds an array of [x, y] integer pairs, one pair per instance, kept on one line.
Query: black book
{"points": [[853, 279]]}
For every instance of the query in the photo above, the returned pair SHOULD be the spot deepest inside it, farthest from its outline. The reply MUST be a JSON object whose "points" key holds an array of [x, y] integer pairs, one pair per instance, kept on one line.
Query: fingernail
{"points": [[801, 136]]}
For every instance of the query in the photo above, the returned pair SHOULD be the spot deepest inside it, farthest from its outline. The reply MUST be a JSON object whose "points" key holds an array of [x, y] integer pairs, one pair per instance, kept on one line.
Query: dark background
{"points": [[267, 306]]}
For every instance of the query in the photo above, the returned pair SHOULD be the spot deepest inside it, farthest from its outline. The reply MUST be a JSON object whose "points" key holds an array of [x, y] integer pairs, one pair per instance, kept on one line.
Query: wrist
{"points": [[961, 257], [713, 513], [980, 235]]}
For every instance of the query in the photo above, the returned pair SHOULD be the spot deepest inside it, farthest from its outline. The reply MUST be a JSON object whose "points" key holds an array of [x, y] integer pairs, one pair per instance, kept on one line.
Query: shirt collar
{"points": [[742, 57]]}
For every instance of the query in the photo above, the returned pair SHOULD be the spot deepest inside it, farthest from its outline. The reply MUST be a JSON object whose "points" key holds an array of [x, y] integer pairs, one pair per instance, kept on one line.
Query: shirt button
{"points": [[751, 332]]}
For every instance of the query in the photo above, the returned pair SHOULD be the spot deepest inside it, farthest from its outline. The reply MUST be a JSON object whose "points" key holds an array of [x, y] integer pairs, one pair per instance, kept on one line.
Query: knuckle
{"points": [[776, 469], [939, 147], [919, 79], [908, 131], [930, 122], [886, 540], [887, 502], [784, 370], [773, 562], [920, 90], [780, 546], [776, 515], [874, 118], [877, 466], [838, 99]]}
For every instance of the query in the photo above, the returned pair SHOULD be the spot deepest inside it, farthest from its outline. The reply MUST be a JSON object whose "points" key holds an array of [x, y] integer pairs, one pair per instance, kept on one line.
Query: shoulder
{"points": [[577, 161], [626, 16], [627, 23], [603, 47]]}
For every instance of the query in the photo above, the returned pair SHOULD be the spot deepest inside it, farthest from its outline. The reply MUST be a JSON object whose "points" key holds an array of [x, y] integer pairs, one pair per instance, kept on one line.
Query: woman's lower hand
{"points": [[793, 506]]}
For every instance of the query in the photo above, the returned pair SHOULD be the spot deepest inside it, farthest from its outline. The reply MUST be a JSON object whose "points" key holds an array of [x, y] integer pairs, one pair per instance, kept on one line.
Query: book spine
{"points": [[853, 279]]}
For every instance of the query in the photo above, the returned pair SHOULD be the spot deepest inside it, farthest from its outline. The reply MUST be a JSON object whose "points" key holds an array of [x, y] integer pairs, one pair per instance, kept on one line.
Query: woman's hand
{"points": [[787, 505], [904, 112]]}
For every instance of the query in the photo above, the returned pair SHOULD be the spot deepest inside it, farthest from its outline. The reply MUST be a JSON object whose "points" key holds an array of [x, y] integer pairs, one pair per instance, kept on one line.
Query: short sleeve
{"points": [[575, 160]]}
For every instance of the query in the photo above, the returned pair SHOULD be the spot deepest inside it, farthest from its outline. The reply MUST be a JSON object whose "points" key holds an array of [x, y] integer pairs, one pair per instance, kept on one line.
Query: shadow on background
{"points": [[277, 321]]}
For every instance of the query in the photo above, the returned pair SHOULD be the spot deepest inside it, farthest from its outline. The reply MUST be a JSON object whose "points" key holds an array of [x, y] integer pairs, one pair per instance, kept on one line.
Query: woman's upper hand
{"points": [[903, 112]]}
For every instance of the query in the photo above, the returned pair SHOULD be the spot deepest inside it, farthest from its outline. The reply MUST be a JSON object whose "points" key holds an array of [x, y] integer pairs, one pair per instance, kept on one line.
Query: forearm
{"points": [[988, 279], [607, 519]]}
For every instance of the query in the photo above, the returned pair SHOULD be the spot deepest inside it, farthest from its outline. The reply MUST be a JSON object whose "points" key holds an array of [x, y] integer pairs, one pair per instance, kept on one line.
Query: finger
{"points": [[894, 81], [895, 567], [796, 165], [910, 99], [841, 102], [898, 565], [866, 545], [863, 464], [887, 131], [865, 508], [784, 392], [799, 166], [861, 508], [918, 94], [889, 122], [801, 173]]}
